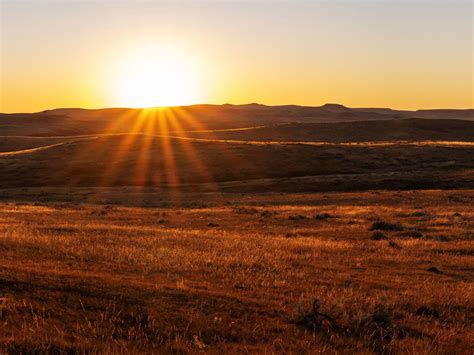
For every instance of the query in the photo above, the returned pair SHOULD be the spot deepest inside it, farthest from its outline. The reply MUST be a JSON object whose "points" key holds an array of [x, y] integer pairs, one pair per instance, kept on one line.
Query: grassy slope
{"points": [[127, 160], [360, 131], [13, 144], [122, 279]]}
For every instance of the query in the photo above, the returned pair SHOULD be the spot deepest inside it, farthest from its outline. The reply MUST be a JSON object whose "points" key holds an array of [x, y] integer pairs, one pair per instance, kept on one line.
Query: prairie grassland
{"points": [[241, 275]]}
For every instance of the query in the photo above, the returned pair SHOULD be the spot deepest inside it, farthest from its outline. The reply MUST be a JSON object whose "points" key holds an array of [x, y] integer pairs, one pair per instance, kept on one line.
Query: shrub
{"points": [[394, 245], [378, 236], [314, 319], [427, 311], [266, 214], [322, 216], [418, 214], [386, 226], [434, 269]]}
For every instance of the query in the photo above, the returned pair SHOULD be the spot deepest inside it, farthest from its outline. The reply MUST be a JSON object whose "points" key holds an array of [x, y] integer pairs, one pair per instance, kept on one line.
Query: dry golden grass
{"points": [[240, 275]]}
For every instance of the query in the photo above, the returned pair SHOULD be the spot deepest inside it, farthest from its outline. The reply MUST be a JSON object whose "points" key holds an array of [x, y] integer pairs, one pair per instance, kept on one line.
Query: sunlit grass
{"points": [[134, 271]]}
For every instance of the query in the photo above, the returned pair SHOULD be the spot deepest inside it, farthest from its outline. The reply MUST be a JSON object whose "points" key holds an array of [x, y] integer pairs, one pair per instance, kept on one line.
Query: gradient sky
{"points": [[399, 54]]}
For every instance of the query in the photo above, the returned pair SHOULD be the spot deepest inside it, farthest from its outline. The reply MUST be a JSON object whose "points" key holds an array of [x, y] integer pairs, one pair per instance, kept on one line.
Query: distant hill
{"points": [[411, 129], [458, 114], [76, 121]]}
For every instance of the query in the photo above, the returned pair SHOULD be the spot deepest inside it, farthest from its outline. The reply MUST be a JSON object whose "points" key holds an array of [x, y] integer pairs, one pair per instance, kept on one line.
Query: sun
{"points": [[155, 76]]}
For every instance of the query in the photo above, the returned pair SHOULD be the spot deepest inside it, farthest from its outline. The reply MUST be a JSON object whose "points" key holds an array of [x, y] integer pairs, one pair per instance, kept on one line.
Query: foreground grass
{"points": [[241, 275]]}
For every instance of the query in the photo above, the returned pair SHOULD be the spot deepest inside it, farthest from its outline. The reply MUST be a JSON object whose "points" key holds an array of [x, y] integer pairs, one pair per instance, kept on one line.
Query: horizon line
{"points": [[341, 106]]}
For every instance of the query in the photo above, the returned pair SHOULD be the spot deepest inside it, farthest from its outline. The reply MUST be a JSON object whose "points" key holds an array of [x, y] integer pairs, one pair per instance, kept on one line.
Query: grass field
{"points": [[389, 271]]}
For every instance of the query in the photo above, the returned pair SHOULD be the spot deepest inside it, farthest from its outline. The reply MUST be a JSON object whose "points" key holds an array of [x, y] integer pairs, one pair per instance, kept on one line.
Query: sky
{"points": [[93, 54]]}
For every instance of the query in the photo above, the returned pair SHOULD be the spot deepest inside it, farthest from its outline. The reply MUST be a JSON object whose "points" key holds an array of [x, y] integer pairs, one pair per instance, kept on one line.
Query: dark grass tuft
{"points": [[378, 236], [386, 226]]}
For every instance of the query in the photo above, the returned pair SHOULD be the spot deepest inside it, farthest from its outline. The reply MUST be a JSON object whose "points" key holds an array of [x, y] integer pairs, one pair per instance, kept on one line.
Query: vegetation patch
{"points": [[378, 236], [322, 216], [386, 226]]}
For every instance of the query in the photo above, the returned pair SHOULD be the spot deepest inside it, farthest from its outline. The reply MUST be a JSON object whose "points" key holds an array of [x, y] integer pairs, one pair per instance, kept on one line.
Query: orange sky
{"points": [[408, 55]]}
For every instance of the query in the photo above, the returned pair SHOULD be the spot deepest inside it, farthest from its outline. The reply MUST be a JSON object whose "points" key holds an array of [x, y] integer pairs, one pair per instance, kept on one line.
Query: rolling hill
{"points": [[61, 122], [143, 160], [412, 129], [238, 148]]}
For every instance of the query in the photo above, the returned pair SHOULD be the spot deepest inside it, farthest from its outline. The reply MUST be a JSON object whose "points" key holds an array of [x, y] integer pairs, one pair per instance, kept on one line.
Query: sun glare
{"points": [[153, 76]]}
